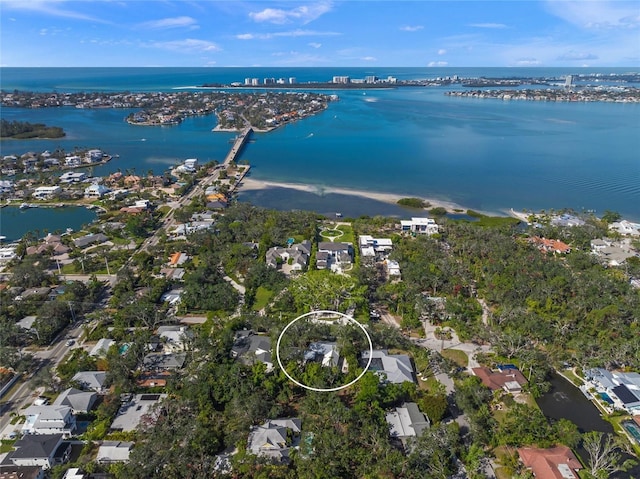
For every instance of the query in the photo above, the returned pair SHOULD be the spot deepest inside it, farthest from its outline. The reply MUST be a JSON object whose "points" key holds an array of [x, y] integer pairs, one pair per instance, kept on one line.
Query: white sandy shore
{"points": [[253, 184]]}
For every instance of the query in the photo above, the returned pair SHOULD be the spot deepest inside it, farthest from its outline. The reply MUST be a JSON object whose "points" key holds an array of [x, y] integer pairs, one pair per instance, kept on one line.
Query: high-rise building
{"points": [[292, 80], [568, 81], [341, 79]]}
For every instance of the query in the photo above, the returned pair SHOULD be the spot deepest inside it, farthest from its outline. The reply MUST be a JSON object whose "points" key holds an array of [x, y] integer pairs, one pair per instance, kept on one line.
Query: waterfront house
{"points": [[625, 227], [417, 225], [72, 177], [94, 156], [96, 191], [275, 439], [89, 239], [6, 187], [46, 192], [73, 161], [42, 450], [620, 390], [553, 463]]}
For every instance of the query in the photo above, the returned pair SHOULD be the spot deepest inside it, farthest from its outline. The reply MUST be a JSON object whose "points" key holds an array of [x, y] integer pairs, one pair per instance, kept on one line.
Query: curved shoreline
{"points": [[252, 184]]}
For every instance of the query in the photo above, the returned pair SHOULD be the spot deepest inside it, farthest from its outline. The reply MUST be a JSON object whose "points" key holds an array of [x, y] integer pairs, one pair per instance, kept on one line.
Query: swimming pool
{"points": [[633, 429]]}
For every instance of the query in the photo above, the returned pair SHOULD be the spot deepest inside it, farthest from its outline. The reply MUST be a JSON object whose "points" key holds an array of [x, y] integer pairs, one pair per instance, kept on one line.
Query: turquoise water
{"points": [[14, 222], [487, 155]]}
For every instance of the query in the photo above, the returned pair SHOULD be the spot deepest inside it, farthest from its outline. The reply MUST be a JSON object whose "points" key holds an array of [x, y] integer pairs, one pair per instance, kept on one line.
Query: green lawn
{"points": [[6, 445], [457, 356], [348, 236], [263, 296]]}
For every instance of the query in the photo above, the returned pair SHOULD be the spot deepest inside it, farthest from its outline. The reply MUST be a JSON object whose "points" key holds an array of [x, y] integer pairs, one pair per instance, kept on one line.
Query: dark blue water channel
{"points": [[564, 400]]}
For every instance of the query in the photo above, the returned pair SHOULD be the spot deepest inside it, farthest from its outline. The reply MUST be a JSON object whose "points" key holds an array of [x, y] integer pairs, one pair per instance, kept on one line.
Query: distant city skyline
{"points": [[545, 33]]}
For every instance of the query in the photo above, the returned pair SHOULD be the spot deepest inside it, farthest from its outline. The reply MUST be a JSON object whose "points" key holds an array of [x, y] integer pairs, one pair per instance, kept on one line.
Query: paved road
{"points": [[23, 395]]}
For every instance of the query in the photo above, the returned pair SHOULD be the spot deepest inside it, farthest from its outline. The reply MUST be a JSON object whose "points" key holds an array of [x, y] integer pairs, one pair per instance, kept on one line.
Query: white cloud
{"points": [[573, 55], [438, 64], [174, 22], [488, 25], [528, 62], [290, 33], [51, 8], [597, 15], [188, 45], [442, 51], [411, 28], [369, 59], [315, 44], [303, 14]]}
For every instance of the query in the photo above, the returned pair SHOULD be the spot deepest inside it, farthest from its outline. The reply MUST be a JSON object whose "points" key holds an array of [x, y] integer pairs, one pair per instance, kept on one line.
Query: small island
{"points": [[417, 203], [22, 130]]}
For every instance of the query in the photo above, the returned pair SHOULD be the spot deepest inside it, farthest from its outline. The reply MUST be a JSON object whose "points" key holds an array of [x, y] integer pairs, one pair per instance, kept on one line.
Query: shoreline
{"points": [[252, 184]]}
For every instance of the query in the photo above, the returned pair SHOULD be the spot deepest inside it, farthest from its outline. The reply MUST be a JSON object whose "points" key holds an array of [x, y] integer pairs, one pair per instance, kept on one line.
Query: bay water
{"points": [[484, 154]]}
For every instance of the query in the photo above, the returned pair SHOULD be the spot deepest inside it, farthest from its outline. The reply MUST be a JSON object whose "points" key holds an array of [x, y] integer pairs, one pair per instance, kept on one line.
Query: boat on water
{"points": [[25, 206]]}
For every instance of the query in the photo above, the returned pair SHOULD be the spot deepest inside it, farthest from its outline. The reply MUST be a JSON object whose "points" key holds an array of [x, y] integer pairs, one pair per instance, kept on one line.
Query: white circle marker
{"points": [[324, 390]]}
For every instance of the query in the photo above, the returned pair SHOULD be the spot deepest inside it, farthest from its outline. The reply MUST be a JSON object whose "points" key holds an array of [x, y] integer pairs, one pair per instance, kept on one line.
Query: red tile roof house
{"points": [[511, 380], [550, 245], [554, 463]]}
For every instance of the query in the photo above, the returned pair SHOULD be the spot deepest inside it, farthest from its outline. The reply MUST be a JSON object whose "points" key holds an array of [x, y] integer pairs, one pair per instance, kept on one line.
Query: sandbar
{"points": [[253, 184]]}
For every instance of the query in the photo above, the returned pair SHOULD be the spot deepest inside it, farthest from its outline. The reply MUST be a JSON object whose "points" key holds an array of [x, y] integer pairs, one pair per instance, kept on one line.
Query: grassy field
{"points": [[457, 356], [263, 296]]}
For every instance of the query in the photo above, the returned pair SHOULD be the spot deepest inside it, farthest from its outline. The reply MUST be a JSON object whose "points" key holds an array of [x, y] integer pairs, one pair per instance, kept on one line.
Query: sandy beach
{"points": [[253, 184]]}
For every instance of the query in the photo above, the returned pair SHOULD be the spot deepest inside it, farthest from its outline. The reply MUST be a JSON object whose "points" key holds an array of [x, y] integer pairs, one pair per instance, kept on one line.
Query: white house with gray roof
{"points": [[79, 401], [42, 450], [392, 368], [334, 255], [622, 389], [275, 438], [53, 419], [407, 421], [250, 347], [137, 409], [114, 451], [92, 380]]}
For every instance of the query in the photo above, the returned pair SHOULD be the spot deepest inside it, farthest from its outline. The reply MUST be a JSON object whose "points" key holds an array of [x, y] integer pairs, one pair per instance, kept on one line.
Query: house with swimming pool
{"points": [[620, 390]]}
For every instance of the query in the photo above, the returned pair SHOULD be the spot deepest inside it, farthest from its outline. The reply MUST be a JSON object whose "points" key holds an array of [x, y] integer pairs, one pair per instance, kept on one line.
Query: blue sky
{"points": [[43, 33]]}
